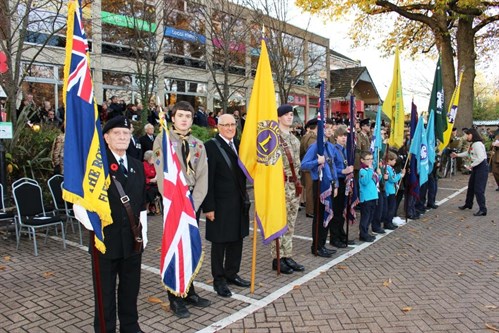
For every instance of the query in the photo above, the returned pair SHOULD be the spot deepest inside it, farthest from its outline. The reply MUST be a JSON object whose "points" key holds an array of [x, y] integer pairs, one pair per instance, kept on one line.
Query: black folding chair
{"points": [[5, 217], [31, 213]]}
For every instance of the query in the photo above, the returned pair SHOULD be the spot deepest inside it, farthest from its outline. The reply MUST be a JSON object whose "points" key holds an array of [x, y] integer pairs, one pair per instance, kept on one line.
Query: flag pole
{"points": [[253, 259], [98, 282], [278, 253]]}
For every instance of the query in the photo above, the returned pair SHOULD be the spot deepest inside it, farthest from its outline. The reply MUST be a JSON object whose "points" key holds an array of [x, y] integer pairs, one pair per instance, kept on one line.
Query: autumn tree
{"points": [[454, 29], [27, 27], [295, 60]]}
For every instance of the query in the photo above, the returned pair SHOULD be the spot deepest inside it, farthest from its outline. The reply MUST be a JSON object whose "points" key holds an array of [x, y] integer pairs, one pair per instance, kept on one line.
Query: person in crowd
{"points": [[28, 106], [363, 143], [134, 148], [192, 158], [147, 140], [52, 119], [479, 172], [368, 189], [103, 109], [313, 161], [200, 117], [381, 205], [226, 207], [338, 236], [495, 159], [212, 122], [153, 117], [57, 154], [132, 112], [43, 111], [391, 184], [151, 182], [115, 108], [120, 266], [306, 141], [290, 151]]}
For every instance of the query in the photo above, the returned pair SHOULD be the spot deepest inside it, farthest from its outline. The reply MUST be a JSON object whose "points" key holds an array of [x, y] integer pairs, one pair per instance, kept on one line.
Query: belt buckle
{"points": [[125, 199]]}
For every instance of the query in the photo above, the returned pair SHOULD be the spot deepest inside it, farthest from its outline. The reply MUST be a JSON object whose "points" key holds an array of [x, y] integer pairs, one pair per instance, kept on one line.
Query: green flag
{"points": [[437, 103]]}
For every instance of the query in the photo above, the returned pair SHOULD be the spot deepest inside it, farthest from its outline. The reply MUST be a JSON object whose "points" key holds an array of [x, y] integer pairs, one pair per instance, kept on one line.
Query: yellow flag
{"points": [[259, 154], [451, 114], [393, 106]]}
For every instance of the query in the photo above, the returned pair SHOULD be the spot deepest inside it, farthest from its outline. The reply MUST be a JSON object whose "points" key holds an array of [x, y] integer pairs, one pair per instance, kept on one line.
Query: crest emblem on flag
{"points": [[268, 142]]}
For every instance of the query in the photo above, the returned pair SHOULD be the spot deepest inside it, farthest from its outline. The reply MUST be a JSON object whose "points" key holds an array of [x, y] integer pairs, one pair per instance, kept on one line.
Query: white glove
{"points": [[82, 216], [143, 222]]}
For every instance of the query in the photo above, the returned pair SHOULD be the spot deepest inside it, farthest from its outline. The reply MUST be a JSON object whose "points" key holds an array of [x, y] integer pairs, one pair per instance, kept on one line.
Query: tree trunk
{"points": [[444, 44], [466, 58]]}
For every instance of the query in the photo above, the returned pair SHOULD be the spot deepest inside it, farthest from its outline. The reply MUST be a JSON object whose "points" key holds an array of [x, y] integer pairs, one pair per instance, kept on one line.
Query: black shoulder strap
{"points": [[229, 163]]}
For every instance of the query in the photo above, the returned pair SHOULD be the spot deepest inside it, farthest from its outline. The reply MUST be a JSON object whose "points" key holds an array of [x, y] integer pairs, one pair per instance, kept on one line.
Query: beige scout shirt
{"points": [[363, 144], [198, 180]]}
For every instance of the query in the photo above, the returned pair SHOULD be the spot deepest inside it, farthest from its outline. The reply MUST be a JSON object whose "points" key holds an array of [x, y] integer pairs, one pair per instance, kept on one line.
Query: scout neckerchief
{"points": [[186, 152]]}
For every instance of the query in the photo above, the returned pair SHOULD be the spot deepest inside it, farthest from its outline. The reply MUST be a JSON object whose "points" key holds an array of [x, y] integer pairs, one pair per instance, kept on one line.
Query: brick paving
{"points": [[436, 274]]}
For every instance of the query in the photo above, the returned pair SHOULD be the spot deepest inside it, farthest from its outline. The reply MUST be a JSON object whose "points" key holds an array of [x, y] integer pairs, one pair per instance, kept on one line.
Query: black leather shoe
{"points": [[239, 282], [368, 239], [379, 231], [178, 308], [390, 226], [328, 250], [222, 290], [350, 242], [322, 252], [413, 217], [339, 244], [283, 267], [197, 301], [463, 207], [294, 265], [433, 206], [480, 213]]}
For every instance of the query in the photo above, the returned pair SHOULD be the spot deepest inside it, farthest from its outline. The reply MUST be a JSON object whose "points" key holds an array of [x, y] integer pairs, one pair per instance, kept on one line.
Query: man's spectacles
{"points": [[228, 125]]}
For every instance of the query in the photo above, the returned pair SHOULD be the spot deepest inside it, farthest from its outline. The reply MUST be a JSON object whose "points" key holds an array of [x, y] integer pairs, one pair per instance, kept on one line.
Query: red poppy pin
{"points": [[197, 154], [114, 166]]}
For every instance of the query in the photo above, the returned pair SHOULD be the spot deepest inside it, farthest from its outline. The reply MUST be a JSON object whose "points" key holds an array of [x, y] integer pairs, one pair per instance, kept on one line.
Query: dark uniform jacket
{"points": [[118, 236], [225, 195]]}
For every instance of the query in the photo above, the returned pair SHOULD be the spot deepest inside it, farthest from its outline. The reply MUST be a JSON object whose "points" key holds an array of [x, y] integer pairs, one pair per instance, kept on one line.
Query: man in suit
{"points": [[121, 262], [192, 158], [227, 219], [147, 140], [134, 148]]}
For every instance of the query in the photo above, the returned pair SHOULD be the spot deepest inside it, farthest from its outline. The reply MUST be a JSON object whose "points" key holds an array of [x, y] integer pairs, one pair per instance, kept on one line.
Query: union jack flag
{"points": [[181, 253], [80, 68]]}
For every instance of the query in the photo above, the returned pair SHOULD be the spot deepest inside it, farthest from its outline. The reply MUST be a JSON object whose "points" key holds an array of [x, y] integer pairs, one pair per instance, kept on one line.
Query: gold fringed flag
{"points": [[393, 106], [259, 155], [451, 114], [86, 174]]}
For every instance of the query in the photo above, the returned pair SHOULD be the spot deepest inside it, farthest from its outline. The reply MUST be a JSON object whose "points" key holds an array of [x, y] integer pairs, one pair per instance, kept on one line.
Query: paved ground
{"points": [[436, 274]]}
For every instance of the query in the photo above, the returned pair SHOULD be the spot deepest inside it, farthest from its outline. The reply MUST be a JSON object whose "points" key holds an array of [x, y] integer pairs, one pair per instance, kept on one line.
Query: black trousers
{"points": [[367, 214], [225, 260], [319, 232], [127, 272], [336, 226], [476, 186]]}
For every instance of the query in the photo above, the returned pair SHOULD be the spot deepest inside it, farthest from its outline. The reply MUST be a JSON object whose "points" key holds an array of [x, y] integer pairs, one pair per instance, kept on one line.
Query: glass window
{"points": [[316, 64]]}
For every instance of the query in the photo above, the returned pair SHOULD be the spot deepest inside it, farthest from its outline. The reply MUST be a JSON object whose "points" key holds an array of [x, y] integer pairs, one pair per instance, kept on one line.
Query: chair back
{"points": [[2, 208], [54, 184], [22, 180], [68, 206], [28, 198]]}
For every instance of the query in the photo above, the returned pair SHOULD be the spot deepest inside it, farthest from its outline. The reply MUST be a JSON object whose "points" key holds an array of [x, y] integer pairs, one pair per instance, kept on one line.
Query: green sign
{"points": [[127, 22]]}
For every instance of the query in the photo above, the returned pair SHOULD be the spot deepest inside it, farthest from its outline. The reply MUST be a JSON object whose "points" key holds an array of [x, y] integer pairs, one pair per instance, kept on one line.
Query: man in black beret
{"points": [[121, 264], [363, 143]]}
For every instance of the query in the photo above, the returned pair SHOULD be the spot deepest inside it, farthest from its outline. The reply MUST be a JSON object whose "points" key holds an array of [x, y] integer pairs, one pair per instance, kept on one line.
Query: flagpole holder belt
{"points": [[290, 179], [134, 224]]}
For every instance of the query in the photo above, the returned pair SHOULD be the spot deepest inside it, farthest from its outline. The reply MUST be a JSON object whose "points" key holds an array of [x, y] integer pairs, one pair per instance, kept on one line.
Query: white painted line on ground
{"points": [[452, 196]]}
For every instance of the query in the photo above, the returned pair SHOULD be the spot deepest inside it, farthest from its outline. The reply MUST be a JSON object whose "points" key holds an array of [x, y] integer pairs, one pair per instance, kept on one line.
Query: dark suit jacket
{"points": [[135, 150], [145, 144], [225, 195], [118, 236]]}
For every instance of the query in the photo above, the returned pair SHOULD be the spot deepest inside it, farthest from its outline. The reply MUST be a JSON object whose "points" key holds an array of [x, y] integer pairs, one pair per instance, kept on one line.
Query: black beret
{"points": [[283, 109], [119, 121], [311, 122], [364, 122]]}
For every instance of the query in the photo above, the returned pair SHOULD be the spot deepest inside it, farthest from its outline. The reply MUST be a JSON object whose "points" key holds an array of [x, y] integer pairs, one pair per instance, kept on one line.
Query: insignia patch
{"points": [[268, 142]]}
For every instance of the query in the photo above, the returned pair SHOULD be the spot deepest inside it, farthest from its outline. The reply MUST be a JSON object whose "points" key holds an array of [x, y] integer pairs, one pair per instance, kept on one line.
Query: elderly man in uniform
{"points": [[192, 158], [290, 152], [226, 207], [363, 144], [120, 266]]}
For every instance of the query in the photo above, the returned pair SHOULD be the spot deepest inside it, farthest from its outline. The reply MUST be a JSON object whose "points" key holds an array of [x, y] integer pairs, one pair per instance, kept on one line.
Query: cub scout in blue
{"points": [[391, 189], [368, 188]]}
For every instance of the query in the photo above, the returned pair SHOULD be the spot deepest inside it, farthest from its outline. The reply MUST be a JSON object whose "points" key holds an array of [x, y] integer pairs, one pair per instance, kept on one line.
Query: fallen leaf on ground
{"points": [[296, 287], [460, 273], [478, 261], [341, 267], [387, 282], [3, 268], [158, 249], [209, 281], [459, 234], [468, 226], [48, 274], [407, 309], [155, 300], [165, 306], [6, 258], [492, 328], [490, 307], [491, 257]]}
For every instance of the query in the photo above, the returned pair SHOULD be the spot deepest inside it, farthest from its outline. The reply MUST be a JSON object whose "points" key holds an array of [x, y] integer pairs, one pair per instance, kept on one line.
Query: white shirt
{"points": [[118, 157], [476, 152]]}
